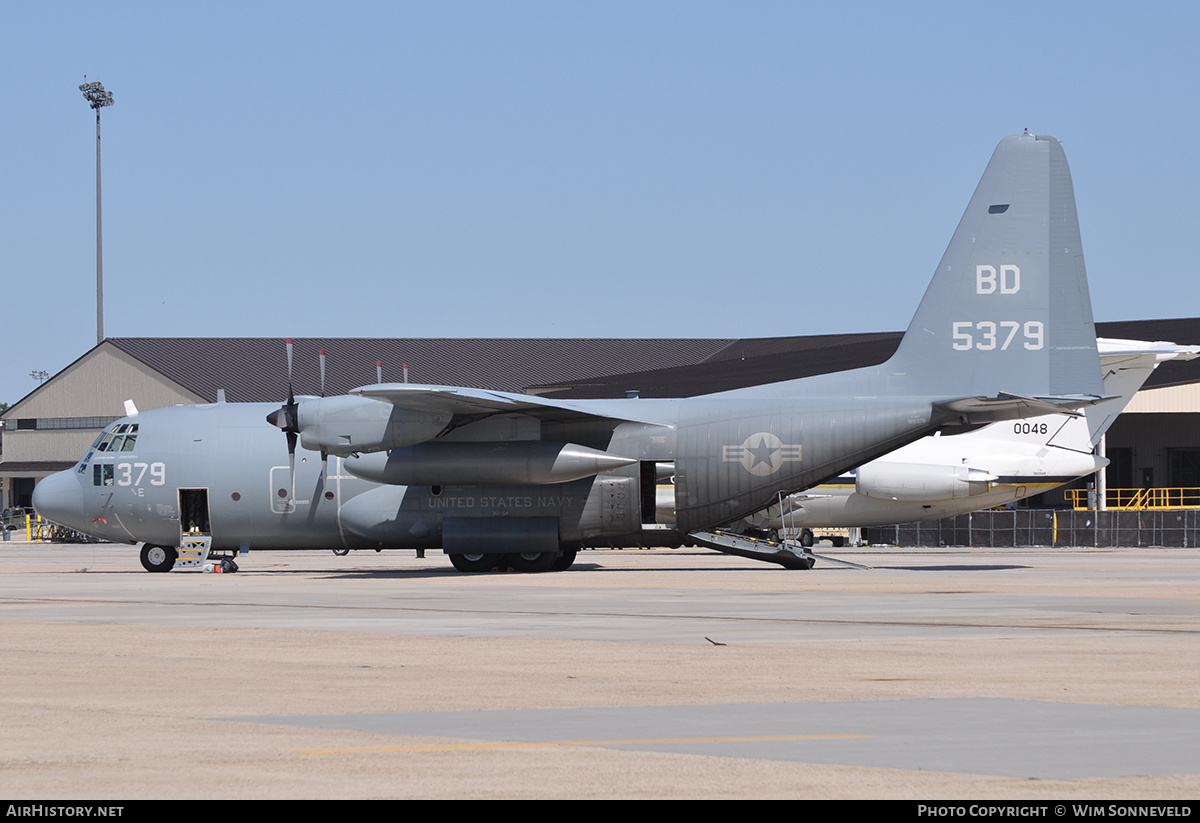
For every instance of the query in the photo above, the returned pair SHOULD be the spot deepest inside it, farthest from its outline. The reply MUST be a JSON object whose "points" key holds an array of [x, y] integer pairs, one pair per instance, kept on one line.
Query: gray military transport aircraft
{"points": [[1003, 332]]}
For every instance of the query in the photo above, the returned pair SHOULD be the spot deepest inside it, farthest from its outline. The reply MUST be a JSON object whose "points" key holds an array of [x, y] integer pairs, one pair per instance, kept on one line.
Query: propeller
{"points": [[287, 417]]}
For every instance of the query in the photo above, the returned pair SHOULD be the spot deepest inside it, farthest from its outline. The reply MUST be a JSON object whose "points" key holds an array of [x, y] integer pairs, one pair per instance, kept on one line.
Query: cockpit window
{"points": [[121, 437], [116, 443], [102, 474]]}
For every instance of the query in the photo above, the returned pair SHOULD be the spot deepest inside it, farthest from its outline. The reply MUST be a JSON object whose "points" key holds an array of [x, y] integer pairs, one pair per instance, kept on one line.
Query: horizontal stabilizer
{"points": [[1111, 347], [1005, 406]]}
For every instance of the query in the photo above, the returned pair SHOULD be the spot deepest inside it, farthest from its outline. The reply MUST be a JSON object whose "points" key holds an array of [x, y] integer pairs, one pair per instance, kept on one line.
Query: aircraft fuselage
{"points": [[219, 469]]}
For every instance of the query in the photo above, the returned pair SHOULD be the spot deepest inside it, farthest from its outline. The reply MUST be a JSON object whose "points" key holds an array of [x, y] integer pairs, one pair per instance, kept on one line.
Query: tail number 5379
{"points": [[987, 335]]}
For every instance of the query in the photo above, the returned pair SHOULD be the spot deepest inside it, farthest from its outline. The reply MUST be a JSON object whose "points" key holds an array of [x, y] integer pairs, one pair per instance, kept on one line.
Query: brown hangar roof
{"points": [[255, 368], [756, 361]]}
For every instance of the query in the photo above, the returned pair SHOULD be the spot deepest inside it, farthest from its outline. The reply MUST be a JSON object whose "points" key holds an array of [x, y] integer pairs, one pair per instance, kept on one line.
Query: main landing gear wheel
{"points": [[532, 561], [564, 560], [806, 538], [476, 562], [158, 558]]}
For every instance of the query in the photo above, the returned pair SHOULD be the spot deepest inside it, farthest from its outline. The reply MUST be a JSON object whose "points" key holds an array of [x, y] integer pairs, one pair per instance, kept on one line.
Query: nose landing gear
{"points": [[158, 558]]}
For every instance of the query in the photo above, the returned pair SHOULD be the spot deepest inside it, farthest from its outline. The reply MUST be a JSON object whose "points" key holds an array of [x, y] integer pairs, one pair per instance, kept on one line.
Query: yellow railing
{"points": [[39, 530], [1137, 499]]}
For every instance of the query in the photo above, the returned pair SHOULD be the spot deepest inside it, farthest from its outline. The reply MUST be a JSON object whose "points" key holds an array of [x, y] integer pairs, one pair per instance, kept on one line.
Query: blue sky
{"points": [[565, 169]]}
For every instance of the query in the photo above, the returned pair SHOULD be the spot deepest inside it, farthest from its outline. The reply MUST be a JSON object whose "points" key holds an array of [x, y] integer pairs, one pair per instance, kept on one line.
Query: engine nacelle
{"points": [[346, 425], [920, 482], [521, 462]]}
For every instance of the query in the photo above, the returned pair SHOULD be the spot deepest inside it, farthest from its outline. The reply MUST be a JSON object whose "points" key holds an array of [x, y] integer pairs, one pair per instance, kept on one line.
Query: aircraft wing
{"points": [[1005, 406], [476, 403], [463, 402], [1114, 348]]}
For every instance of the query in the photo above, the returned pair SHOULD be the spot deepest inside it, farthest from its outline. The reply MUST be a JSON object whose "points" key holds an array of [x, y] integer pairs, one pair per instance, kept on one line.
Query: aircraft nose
{"points": [[60, 499]]}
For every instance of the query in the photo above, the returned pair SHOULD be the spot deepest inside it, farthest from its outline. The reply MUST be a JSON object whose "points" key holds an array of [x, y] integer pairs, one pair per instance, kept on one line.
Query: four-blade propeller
{"points": [[287, 418]]}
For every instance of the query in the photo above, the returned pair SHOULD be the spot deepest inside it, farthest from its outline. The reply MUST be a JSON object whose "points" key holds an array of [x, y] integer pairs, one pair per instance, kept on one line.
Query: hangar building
{"points": [[1155, 443]]}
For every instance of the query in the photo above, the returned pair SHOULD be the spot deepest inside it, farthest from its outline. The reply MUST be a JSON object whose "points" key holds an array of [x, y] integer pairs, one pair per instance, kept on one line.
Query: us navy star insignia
{"points": [[761, 453]]}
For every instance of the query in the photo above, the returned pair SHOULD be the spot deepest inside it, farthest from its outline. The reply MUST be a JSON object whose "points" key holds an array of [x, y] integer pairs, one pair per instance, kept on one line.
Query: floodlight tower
{"points": [[98, 98]]}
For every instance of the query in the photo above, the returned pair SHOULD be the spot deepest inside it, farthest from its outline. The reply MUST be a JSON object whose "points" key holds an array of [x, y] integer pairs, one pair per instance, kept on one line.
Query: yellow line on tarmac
{"points": [[554, 743]]}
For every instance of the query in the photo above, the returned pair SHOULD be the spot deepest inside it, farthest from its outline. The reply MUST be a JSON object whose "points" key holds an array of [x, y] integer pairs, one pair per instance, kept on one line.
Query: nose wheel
{"points": [[158, 558]]}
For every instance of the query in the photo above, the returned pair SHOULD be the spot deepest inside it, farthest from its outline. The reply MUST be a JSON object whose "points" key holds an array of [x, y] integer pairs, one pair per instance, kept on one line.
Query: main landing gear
{"points": [[531, 562], [477, 562], [525, 562], [565, 558]]}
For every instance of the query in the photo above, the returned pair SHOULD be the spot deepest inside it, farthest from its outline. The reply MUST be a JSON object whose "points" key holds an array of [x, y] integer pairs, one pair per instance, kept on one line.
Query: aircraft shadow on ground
{"points": [[960, 567]]}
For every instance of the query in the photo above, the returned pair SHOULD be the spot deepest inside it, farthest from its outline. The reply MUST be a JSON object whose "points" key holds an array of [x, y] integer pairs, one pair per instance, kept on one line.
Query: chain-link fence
{"points": [[1040, 527], [21, 526]]}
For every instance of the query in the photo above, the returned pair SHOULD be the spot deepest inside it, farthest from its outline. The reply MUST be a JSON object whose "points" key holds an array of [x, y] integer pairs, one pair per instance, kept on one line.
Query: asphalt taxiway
{"points": [[1020, 673]]}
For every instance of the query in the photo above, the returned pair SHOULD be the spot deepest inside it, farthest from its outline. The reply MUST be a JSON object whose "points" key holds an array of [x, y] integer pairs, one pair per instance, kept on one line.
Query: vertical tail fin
{"points": [[1008, 309]]}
